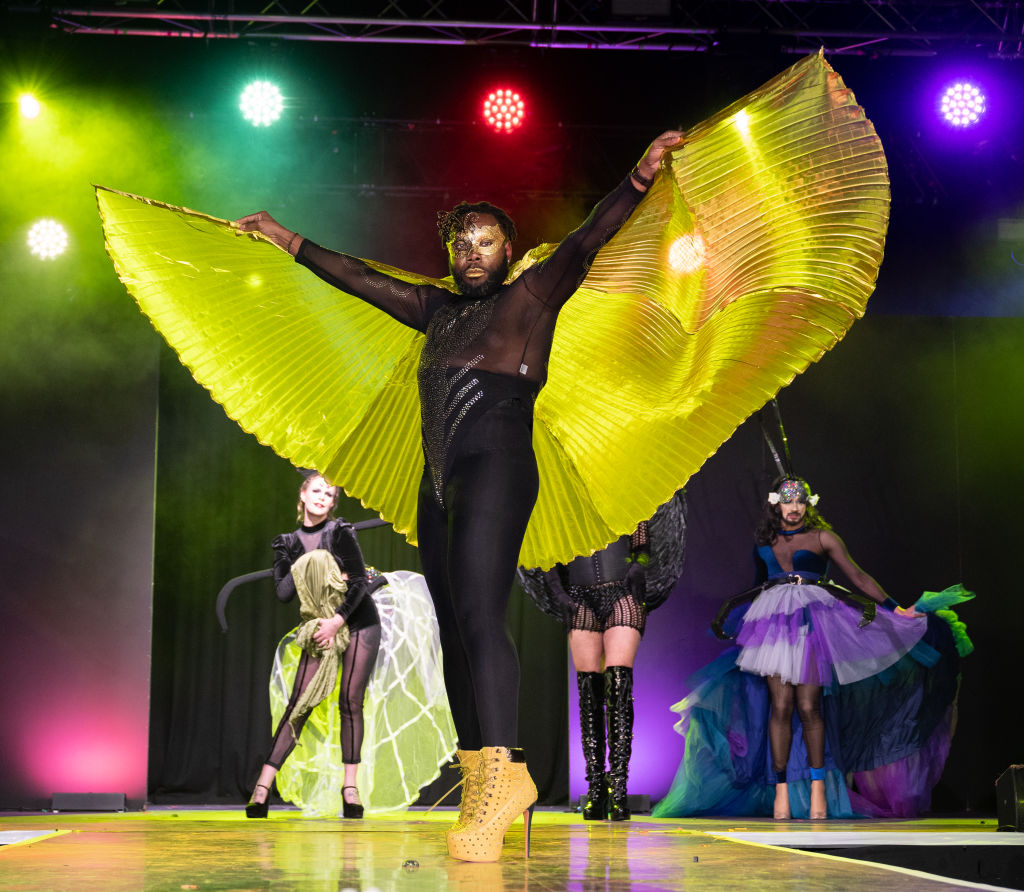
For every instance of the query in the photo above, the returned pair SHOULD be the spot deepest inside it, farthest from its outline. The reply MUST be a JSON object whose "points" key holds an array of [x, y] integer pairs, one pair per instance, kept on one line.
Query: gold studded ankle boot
{"points": [[469, 762], [505, 790]]}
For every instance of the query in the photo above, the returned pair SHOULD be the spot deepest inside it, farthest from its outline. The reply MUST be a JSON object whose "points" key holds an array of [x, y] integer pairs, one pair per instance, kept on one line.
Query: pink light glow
{"points": [[96, 746]]}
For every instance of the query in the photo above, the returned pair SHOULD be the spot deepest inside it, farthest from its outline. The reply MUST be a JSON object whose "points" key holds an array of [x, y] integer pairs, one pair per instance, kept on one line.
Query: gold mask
{"points": [[482, 240]]}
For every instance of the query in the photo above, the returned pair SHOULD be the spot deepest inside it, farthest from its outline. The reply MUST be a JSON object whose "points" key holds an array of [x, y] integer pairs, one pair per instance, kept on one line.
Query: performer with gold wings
{"points": [[755, 246]]}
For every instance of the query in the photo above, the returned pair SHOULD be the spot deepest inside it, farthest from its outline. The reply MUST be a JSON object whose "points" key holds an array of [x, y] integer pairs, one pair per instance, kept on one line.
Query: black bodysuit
{"points": [[483, 362], [360, 614]]}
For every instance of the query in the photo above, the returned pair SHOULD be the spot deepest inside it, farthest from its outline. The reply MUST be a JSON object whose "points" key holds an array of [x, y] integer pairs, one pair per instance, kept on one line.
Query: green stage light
{"points": [[261, 103], [29, 106], [47, 239]]}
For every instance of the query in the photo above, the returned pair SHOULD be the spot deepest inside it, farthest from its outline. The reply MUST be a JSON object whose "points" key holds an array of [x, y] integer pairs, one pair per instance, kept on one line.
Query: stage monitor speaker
{"points": [[88, 802], [1010, 798]]}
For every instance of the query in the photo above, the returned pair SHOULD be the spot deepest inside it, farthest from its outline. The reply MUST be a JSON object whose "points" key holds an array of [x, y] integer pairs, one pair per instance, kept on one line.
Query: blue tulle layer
{"points": [[887, 736]]}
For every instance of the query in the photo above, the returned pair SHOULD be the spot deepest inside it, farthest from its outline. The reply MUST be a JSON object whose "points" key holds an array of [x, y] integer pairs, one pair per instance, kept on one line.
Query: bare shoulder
{"points": [[830, 539]]}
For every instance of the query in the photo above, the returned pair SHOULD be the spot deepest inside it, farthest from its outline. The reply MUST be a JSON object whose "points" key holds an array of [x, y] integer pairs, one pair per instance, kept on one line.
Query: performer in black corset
{"points": [[483, 362], [605, 623], [322, 563]]}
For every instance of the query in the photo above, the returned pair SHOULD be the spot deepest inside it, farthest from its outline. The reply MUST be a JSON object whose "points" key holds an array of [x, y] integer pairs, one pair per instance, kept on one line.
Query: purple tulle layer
{"points": [[886, 736], [804, 634]]}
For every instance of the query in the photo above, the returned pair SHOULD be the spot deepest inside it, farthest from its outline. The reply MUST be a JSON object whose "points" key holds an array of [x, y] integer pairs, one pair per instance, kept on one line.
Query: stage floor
{"points": [[212, 848]]}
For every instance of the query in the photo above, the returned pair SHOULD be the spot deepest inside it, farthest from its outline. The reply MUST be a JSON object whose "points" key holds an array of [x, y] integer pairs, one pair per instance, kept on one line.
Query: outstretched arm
{"points": [[409, 304], [554, 280], [837, 552]]}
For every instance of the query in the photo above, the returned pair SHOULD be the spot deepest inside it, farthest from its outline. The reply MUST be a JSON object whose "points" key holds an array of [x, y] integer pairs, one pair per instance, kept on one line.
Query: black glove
{"points": [[636, 582], [566, 605]]}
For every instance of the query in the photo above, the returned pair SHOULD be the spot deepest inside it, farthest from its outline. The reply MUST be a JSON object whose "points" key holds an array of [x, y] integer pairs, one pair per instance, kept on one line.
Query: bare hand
{"points": [[651, 161], [908, 612], [327, 629], [266, 225]]}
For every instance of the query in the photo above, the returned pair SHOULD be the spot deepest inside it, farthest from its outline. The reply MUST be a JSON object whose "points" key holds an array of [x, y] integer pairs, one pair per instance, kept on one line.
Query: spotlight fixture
{"points": [[504, 110], [47, 239], [29, 106], [962, 105], [261, 103]]}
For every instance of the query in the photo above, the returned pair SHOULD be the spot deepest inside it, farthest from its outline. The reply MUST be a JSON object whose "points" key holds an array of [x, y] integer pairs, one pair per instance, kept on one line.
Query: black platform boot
{"points": [[618, 685], [591, 688]]}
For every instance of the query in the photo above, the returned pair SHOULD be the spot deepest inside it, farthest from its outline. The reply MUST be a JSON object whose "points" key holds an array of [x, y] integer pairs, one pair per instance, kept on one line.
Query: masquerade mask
{"points": [[483, 240], [793, 491]]}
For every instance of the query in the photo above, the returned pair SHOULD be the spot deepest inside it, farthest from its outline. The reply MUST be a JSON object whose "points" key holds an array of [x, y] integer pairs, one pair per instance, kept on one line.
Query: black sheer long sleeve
{"points": [[284, 556], [410, 304], [520, 320], [348, 554], [555, 279]]}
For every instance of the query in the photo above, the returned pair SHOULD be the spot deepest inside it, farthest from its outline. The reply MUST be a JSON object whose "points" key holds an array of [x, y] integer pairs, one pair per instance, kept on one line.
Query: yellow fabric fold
{"points": [[751, 255]]}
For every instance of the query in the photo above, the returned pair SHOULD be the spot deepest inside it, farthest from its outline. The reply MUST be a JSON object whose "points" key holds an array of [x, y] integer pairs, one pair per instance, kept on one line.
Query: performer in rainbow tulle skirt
{"points": [[827, 706]]}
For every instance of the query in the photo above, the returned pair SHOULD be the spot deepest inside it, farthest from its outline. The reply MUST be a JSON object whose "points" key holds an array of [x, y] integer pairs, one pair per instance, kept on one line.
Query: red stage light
{"points": [[504, 110]]}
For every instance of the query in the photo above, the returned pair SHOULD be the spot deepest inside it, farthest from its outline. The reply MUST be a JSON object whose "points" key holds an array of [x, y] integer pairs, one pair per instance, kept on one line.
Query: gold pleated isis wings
{"points": [[751, 255]]}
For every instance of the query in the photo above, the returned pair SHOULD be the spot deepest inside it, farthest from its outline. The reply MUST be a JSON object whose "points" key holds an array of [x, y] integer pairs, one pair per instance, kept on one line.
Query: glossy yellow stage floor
{"points": [[207, 849]]}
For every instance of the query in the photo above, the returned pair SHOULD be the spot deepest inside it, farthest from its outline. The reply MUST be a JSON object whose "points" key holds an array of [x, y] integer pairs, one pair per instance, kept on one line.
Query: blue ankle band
{"points": [[817, 774]]}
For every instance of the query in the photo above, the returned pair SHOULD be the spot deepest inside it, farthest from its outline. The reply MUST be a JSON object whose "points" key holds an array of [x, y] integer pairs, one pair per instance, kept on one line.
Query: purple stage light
{"points": [[962, 105]]}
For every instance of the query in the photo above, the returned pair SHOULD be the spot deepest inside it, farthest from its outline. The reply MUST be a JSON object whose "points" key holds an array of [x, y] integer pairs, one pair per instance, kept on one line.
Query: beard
{"points": [[485, 287]]}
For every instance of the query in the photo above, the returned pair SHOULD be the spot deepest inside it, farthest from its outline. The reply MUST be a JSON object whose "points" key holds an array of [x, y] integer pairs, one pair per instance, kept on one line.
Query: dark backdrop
{"points": [[909, 428], [900, 431]]}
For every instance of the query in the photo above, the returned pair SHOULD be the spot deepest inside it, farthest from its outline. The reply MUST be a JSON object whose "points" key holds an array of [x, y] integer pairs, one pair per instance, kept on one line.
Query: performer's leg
{"points": [[491, 493], [620, 646], [618, 686], [808, 704], [625, 625], [780, 739], [586, 648], [285, 738], [432, 532], [356, 666]]}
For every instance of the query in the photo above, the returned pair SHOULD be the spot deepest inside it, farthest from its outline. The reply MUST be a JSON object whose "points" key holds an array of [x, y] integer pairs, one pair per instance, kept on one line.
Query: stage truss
{"points": [[994, 28]]}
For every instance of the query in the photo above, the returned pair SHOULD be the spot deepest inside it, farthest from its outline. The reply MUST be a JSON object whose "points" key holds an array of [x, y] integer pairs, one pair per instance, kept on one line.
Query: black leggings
{"points": [[356, 665], [469, 552]]}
